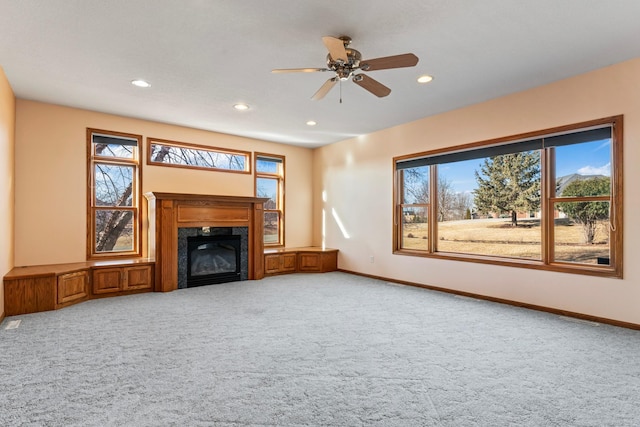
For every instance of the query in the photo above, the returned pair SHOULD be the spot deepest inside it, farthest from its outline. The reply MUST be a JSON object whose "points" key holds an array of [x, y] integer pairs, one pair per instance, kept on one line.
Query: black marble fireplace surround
{"points": [[183, 265]]}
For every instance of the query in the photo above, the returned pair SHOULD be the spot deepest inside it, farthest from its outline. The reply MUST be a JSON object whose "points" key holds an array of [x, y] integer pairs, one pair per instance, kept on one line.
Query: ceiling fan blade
{"points": [[298, 70], [324, 89], [372, 85], [396, 61], [336, 48]]}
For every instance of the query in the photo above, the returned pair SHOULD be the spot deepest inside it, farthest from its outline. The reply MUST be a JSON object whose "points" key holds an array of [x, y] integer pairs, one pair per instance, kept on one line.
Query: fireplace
{"points": [[172, 215], [213, 259]]}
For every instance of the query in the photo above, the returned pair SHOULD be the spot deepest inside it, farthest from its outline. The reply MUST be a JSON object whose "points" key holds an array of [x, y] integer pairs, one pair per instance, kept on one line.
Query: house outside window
{"points": [[113, 196], [270, 183], [548, 200]]}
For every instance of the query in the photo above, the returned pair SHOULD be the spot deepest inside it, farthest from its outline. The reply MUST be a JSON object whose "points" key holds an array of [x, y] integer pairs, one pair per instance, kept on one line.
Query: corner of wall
{"points": [[7, 179]]}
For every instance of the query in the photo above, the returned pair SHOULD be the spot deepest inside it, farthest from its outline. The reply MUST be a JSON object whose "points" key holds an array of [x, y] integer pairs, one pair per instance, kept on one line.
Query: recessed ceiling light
{"points": [[425, 78], [140, 83], [241, 107], [311, 123]]}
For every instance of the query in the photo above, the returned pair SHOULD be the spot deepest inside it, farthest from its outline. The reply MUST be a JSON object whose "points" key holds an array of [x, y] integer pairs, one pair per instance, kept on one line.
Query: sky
{"points": [[591, 158]]}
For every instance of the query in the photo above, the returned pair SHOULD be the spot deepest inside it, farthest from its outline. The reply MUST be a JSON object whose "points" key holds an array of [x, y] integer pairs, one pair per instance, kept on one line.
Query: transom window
{"points": [[270, 183], [181, 154], [549, 200], [113, 194]]}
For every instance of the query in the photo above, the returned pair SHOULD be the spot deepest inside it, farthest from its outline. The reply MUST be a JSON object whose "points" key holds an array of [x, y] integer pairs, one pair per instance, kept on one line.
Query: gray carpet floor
{"points": [[314, 350]]}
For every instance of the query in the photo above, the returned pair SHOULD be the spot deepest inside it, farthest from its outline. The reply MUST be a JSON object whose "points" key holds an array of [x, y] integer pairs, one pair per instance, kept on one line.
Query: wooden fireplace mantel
{"points": [[170, 211]]}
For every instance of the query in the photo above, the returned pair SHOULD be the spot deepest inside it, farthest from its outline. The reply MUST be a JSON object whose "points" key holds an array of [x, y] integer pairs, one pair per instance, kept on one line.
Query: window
{"points": [[549, 200], [414, 208], [180, 154], [113, 194], [270, 184]]}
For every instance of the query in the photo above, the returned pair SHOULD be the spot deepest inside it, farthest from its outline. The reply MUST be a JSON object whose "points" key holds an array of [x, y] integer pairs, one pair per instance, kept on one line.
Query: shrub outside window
{"points": [[113, 194], [548, 200]]}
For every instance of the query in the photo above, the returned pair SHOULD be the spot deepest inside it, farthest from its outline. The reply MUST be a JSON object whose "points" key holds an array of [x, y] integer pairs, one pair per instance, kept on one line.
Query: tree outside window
{"points": [[113, 195]]}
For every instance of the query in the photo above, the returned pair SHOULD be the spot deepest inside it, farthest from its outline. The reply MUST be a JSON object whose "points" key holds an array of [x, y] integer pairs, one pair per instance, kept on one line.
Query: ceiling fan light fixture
{"points": [[140, 83], [345, 61], [241, 107], [425, 78]]}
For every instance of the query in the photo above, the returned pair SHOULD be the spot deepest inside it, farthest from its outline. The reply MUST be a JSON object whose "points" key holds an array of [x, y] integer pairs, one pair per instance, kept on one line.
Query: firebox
{"points": [[212, 259]]}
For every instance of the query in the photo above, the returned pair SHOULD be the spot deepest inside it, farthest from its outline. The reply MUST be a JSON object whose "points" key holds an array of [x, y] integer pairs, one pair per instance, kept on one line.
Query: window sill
{"points": [[585, 269]]}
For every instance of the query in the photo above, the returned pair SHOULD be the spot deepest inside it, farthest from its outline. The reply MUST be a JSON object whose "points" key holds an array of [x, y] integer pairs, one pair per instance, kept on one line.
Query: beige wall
{"points": [[7, 131], [50, 169], [356, 176]]}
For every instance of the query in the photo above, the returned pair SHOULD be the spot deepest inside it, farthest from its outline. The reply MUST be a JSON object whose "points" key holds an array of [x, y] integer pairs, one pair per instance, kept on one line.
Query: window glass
{"points": [[114, 231], [581, 232], [266, 165], [269, 183], [415, 227], [110, 146], [271, 227], [268, 187], [415, 208], [491, 206], [580, 162], [582, 228], [113, 185], [169, 153], [113, 194], [415, 185]]}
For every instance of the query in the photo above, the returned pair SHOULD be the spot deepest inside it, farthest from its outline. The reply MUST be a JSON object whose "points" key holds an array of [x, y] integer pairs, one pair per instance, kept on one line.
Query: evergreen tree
{"points": [[509, 183]]}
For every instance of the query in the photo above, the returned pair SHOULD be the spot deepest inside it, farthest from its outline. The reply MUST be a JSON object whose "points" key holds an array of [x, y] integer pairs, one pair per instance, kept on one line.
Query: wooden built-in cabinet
{"points": [[122, 279], [292, 260], [30, 289], [106, 280], [72, 288], [280, 263], [29, 295], [50, 287]]}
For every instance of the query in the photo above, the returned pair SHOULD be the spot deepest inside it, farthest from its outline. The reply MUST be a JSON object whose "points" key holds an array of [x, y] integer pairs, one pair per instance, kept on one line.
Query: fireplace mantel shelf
{"points": [[170, 211], [204, 198]]}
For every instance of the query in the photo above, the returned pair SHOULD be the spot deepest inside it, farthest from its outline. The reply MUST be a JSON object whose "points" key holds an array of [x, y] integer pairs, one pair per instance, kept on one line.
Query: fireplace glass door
{"points": [[213, 259]]}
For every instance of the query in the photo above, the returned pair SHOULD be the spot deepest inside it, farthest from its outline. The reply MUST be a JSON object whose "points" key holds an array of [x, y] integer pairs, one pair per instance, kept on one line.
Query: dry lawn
{"points": [[497, 237]]}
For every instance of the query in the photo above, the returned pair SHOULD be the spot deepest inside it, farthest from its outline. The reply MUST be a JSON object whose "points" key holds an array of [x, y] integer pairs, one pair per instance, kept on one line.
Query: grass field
{"points": [[497, 237]]}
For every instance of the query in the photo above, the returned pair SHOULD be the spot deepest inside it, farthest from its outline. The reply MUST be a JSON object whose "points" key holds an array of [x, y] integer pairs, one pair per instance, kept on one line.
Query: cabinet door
{"points": [[72, 287], [288, 262], [107, 280], [309, 262], [329, 261], [29, 295], [138, 277], [272, 263]]}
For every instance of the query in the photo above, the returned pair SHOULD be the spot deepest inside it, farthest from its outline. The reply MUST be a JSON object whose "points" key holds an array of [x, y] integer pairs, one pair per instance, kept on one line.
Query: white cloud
{"points": [[596, 170]]}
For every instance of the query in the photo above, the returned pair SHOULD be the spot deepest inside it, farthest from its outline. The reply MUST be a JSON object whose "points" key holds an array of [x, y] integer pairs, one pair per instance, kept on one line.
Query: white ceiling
{"points": [[203, 56]]}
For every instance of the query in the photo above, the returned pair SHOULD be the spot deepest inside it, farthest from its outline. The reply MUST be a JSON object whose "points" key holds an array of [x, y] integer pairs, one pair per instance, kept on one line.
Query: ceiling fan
{"points": [[345, 62]]}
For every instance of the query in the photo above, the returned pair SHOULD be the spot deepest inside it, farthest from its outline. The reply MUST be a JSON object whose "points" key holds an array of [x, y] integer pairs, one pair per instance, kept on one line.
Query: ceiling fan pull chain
{"points": [[340, 91]]}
